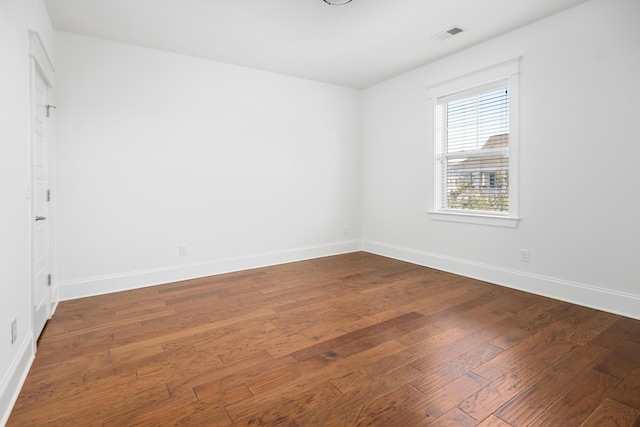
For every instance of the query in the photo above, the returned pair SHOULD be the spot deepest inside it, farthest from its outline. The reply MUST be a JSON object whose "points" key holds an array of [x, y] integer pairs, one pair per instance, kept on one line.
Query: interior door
{"points": [[40, 279]]}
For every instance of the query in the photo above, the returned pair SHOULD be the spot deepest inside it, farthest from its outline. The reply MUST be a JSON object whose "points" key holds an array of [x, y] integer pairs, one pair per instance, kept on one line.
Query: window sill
{"points": [[498, 221]]}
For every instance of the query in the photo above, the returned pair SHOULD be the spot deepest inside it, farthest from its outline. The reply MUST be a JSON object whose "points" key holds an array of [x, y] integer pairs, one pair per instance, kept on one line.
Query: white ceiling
{"points": [[357, 44]]}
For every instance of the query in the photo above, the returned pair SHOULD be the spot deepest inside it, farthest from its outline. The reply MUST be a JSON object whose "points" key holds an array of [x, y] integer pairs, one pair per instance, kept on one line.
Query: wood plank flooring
{"points": [[349, 340]]}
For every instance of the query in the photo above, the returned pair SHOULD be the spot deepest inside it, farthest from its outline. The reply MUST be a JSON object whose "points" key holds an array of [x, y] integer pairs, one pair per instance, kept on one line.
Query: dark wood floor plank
{"points": [[211, 390], [628, 391], [356, 394], [190, 332], [157, 413], [360, 334], [378, 412], [620, 363], [441, 374], [460, 346], [530, 404], [432, 406], [510, 338], [208, 373], [455, 418], [492, 397], [545, 341], [591, 328], [268, 409], [613, 414], [493, 421], [349, 340], [579, 402]]}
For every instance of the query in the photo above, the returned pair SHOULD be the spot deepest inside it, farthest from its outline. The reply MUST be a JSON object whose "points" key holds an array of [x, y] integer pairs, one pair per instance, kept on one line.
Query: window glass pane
{"points": [[473, 124], [478, 183]]}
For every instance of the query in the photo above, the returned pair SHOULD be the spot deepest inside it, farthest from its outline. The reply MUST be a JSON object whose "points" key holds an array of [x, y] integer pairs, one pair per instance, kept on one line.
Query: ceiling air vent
{"points": [[448, 33]]}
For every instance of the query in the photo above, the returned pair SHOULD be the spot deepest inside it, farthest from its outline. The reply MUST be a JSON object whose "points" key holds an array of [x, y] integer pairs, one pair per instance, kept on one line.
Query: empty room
{"points": [[319, 213]]}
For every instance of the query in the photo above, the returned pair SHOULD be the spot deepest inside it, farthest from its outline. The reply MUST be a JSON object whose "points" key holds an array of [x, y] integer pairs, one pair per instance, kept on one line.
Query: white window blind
{"points": [[472, 140]]}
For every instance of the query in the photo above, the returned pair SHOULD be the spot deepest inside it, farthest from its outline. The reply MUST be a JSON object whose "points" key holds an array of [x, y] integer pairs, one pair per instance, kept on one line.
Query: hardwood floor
{"points": [[349, 340]]}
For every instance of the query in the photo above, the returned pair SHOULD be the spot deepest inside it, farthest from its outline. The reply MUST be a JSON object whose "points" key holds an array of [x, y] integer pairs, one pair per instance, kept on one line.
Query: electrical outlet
{"points": [[14, 331], [524, 255], [182, 250], [345, 230]]}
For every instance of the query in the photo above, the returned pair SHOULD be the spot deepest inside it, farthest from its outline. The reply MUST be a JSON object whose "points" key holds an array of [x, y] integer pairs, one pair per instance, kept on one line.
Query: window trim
{"points": [[509, 71]]}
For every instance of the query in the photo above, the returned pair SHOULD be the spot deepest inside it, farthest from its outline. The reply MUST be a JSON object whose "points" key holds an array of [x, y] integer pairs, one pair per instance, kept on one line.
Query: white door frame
{"points": [[40, 66]]}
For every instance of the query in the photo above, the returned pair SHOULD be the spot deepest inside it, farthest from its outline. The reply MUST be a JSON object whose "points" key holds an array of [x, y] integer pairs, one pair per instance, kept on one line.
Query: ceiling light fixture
{"points": [[337, 2]]}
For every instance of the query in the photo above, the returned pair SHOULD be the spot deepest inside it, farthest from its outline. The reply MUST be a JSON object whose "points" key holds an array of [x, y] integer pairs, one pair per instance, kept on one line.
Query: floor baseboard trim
{"points": [[15, 377], [621, 303], [586, 295], [70, 290]]}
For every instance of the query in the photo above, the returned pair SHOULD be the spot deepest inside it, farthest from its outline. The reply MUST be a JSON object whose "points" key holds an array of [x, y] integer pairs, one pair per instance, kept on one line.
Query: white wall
{"points": [[16, 18], [578, 162], [14, 227], [156, 149]]}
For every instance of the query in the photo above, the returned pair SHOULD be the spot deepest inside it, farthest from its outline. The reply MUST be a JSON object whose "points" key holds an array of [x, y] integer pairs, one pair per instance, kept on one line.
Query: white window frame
{"points": [[507, 71]]}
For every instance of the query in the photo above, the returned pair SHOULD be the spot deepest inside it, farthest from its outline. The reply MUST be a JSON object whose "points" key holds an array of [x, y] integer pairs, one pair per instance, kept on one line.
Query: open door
{"points": [[39, 185]]}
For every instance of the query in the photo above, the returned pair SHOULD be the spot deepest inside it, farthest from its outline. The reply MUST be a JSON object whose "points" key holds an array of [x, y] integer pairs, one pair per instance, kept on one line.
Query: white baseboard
{"points": [[577, 293], [137, 279], [14, 378], [615, 302]]}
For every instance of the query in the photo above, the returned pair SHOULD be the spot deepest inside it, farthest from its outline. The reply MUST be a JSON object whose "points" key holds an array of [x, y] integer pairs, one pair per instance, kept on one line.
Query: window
{"points": [[473, 150], [475, 146]]}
